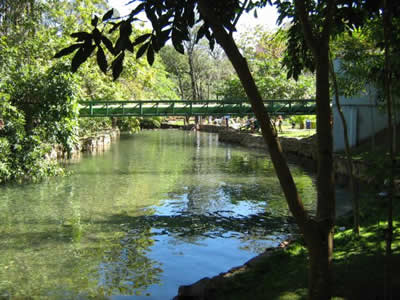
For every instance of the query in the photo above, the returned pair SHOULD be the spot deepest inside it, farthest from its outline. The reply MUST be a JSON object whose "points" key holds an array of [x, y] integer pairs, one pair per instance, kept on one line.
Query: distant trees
{"points": [[19, 13], [265, 52], [199, 73]]}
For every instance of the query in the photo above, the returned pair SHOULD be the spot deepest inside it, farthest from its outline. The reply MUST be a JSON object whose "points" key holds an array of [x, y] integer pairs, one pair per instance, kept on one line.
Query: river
{"points": [[158, 210]]}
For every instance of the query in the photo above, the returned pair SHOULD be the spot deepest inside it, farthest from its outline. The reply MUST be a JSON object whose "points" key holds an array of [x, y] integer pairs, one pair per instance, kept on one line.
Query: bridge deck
{"points": [[191, 108]]}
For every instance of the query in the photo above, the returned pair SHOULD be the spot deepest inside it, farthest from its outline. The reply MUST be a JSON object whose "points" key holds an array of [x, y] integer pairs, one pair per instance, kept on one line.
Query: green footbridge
{"points": [[191, 108]]}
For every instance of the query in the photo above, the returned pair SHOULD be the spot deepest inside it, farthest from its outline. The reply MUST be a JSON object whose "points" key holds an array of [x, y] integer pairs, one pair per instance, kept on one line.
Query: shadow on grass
{"points": [[358, 266], [358, 273]]}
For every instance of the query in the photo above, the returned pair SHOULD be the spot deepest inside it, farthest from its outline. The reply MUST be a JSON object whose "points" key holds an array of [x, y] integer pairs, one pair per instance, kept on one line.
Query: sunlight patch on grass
{"points": [[296, 295], [297, 133]]}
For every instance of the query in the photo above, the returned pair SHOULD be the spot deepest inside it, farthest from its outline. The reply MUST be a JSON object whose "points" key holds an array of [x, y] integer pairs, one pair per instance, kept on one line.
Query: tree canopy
{"points": [[39, 95]]}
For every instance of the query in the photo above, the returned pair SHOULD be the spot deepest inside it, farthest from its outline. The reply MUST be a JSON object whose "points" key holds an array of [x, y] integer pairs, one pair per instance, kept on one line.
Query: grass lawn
{"points": [[288, 132], [358, 265], [296, 133]]}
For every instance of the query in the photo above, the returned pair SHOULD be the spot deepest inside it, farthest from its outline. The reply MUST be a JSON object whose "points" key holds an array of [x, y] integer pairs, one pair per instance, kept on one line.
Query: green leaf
{"points": [[119, 45], [101, 60], [81, 56], [201, 32], [129, 45], [141, 39], [123, 43], [164, 19], [81, 36], [177, 40], [163, 37], [78, 59], [95, 20], [117, 65], [137, 10], [67, 50], [155, 45], [178, 45], [114, 27], [179, 34], [151, 15], [108, 15], [150, 55], [96, 36], [212, 44], [190, 17], [125, 29], [142, 50], [108, 44]]}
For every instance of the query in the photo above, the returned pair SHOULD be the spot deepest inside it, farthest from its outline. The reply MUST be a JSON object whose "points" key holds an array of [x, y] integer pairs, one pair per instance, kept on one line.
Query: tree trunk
{"points": [[27, 108], [323, 249], [387, 28], [319, 245], [181, 88], [114, 121], [318, 42], [192, 76]]}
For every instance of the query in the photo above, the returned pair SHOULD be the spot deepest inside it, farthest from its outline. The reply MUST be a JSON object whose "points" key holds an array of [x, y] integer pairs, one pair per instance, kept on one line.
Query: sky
{"points": [[266, 16]]}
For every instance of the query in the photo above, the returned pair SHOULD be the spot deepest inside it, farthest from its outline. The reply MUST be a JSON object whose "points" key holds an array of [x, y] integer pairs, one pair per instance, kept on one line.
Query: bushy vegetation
{"points": [[22, 155], [265, 52], [39, 95]]}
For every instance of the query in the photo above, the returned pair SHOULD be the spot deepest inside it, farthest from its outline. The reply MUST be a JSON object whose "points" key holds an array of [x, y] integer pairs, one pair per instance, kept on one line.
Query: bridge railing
{"points": [[191, 108]]}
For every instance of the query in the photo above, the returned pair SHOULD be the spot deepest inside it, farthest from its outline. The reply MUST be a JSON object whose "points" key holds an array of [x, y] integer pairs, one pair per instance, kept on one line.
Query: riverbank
{"points": [[97, 143], [281, 274], [300, 150]]}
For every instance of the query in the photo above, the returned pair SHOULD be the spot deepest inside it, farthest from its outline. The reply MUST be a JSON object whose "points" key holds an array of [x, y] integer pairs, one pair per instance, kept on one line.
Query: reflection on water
{"points": [[160, 209]]}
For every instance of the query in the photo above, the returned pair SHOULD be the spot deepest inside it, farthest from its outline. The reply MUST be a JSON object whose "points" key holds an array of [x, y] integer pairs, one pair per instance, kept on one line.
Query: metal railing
{"points": [[152, 108]]}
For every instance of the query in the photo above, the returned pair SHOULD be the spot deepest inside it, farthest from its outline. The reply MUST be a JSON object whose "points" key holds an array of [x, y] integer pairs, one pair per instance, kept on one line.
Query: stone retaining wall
{"points": [[92, 144], [302, 151], [214, 128]]}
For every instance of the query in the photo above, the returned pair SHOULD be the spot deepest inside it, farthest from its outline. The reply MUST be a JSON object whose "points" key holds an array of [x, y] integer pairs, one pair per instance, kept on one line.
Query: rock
{"points": [[207, 288], [196, 291], [98, 143]]}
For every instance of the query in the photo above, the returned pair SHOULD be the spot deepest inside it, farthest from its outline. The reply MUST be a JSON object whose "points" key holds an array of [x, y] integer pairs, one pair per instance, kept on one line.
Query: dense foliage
{"points": [[360, 60], [21, 154], [265, 52], [39, 100]]}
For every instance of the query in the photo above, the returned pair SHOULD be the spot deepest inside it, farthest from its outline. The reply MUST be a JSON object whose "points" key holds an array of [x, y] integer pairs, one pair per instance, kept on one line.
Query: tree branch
{"points": [[239, 15], [308, 32], [331, 9]]}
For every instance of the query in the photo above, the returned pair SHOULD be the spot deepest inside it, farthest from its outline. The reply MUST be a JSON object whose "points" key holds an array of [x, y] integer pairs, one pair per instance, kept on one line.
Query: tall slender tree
{"points": [[387, 33]]}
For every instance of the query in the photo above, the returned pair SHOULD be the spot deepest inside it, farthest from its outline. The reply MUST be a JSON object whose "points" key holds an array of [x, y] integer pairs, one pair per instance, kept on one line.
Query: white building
{"points": [[365, 117]]}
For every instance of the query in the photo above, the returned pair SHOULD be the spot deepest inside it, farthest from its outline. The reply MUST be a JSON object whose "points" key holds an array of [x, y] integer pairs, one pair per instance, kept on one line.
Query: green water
{"points": [[158, 210]]}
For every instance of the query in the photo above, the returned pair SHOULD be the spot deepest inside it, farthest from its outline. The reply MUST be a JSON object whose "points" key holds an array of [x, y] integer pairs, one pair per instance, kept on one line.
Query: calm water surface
{"points": [[158, 210]]}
